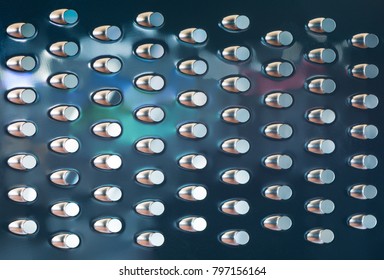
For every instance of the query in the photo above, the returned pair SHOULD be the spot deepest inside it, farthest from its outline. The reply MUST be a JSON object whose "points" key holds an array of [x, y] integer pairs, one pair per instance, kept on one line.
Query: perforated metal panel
{"points": [[100, 58]]}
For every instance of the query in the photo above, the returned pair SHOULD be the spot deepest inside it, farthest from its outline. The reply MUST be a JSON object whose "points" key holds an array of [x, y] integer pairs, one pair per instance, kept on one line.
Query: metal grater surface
{"points": [[191, 130]]}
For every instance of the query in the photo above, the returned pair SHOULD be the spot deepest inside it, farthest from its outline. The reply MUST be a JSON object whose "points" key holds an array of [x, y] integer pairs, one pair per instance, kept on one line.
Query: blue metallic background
{"points": [[352, 17]]}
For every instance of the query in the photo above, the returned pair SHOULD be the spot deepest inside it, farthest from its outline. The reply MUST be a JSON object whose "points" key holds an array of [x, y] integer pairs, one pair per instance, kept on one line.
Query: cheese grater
{"points": [[169, 130]]}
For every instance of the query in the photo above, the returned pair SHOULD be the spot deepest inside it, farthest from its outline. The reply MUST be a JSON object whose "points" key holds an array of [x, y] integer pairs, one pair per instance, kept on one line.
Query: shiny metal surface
{"points": [[150, 146], [150, 114], [235, 98], [22, 96], [322, 25], [22, 129], [65, 145], [321, 86], [277, 192], [278, 100], [150, 82], [364, 131], [193, 98], [107, 97], [321, 116], [150, 51], [363, 161], [65, 241], [236, 146], [193, 161], [362, 221], [108, 162], [235, 207], [64, 81], [236, 53], [65, 209], [108, 225], [150, 177], [65, 177], [193, 35], [236, 115], [150, 239], [23, 227], [107, 129], [363, 191], [364, 71], [365, 40], [193, 67], [64, 16], [278, 131], [278, 161], [279, 69], [235, 237], [320, 176], [192, 224], [277, 222], [320, 206], [235, 22], [150, 19], [21, 30], [150, 208], [23, 194], [320, 236], [64, 48], [236, 84], [108, 194], [279, 38], [65, 113], [22, 161], [107, 65], [236, 176], [21, 63], [322, 55], [321, 146], [107, 33], [193, 193], [193, 130], [364, 101]]}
